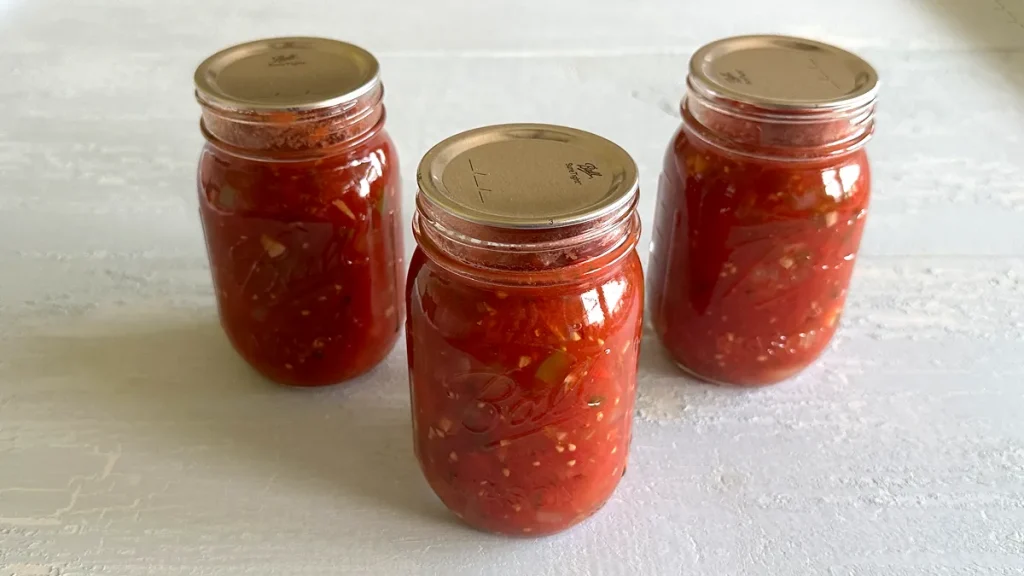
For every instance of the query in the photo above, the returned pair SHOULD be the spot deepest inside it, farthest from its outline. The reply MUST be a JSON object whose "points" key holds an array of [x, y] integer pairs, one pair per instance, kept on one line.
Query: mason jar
{"points": [[299, 197], [761, 206], [525, 300]]}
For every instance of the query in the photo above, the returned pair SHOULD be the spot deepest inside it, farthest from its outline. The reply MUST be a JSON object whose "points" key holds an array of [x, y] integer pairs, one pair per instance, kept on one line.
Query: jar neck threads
{"points": [[793, 134], [287, 133], [524, 256]]}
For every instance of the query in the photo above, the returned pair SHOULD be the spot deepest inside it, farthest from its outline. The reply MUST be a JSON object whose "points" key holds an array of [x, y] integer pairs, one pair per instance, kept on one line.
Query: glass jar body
{"points": [[752, 254], [306, 255], [522, 391]]}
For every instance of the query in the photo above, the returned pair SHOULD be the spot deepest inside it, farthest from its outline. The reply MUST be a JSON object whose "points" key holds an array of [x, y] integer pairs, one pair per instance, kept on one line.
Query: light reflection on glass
{"points": [[592, 305], [613, 292], [839, 184], [848, 175], [833, 187]]}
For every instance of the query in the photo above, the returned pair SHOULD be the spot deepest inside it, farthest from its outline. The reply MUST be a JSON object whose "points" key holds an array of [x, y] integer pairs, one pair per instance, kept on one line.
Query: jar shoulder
{"points": [[357, 179], [609, 301], [788, 186]]}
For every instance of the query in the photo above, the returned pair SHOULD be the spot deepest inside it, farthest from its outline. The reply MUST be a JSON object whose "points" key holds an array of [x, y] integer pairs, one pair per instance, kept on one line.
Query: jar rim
{"points": [[860, 130], [427, 233], [296, 135], [292, 155]]}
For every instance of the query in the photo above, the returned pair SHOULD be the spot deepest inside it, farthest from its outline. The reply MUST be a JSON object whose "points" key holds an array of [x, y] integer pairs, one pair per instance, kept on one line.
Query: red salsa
{"points": [[759, 218], [301, 212], [523, 362]]}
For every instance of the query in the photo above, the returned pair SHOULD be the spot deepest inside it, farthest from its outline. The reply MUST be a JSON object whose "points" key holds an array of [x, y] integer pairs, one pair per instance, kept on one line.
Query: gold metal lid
{"points": [[527, 176], [286, 74], [783, 72]]}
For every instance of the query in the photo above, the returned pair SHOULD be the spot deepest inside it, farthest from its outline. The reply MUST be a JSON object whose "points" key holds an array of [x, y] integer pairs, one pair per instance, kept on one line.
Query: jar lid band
{"points": [[286, 74], [783, 73], [528, 176]]}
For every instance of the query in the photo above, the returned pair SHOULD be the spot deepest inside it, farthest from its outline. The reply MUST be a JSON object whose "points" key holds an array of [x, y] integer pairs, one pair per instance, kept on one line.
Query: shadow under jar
{"points": [[300, 204], [761, 206], [525, 299]]}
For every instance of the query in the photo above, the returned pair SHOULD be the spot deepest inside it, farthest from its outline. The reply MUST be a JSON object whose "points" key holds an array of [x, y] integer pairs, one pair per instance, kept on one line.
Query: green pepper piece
{"points": [[226, 198], [378, 204], [554, 368]]}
